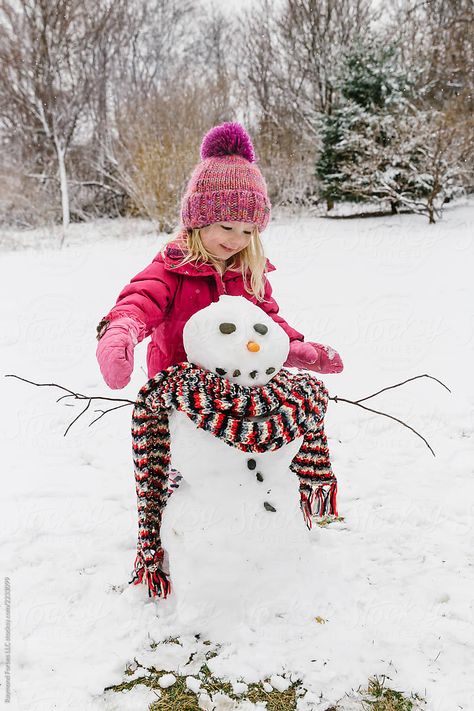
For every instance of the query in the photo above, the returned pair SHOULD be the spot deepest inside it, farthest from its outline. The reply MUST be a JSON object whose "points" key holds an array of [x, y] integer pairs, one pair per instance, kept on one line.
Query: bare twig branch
{"points": [[78, 396], [353, 402], [104, 412], [390, 387], [76, 418], [403, 383]]}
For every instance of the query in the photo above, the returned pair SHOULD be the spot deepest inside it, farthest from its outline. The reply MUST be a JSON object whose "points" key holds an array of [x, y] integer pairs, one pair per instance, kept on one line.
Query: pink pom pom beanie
{"points": [[226, 185]]}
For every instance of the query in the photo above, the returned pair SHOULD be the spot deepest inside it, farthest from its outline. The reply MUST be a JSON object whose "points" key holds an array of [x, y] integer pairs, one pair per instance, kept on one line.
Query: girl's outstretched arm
{"points": [[146, 297], [139, 308]]}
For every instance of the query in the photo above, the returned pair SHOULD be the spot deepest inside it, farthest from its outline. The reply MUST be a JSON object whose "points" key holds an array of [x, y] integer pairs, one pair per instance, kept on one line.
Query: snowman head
{"points": [[236, 339]]}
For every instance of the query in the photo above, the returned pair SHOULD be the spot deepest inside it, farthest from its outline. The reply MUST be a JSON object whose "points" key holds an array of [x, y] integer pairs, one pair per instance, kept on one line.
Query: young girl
{"points": [[217, 251]]}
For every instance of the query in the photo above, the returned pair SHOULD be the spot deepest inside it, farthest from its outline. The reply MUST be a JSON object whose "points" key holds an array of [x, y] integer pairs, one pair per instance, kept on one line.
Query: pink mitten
{"points": [[115, 349], [314, 356]]}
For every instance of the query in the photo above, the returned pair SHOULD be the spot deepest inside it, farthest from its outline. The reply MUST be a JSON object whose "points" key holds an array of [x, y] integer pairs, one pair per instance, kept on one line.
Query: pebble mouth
{"points": [[253, 373]]}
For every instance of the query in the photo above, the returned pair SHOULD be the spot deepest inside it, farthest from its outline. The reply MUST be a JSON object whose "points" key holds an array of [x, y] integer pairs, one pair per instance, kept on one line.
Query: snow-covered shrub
{"points": [[157, 146], [378, 146]]}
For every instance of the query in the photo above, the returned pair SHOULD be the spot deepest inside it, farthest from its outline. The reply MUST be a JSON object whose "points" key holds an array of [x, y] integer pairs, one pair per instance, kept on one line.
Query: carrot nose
{"points": [[253, 347]]}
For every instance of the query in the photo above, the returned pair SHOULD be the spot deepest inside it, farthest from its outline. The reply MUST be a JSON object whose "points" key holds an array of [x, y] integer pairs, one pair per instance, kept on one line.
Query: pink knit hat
{"points": [[227, 185]]}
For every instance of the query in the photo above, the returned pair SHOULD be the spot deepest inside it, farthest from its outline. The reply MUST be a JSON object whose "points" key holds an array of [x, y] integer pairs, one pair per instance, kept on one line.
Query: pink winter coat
{"points": [[165, 295]]}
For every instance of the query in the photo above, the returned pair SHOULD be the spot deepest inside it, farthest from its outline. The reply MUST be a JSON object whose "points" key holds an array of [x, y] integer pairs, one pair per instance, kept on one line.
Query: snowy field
{"points": [[393, 581]]}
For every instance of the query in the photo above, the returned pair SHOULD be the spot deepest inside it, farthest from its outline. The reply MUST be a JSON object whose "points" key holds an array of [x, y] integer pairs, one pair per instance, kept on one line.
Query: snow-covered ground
{"points": [[393, 581]]}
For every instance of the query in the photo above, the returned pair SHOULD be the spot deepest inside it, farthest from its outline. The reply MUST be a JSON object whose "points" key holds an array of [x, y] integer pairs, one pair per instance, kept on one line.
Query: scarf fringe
{"points": [[154, 577], [319, 501]]}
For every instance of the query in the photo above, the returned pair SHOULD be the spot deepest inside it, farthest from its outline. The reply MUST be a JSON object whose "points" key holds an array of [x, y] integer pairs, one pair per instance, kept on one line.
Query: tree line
{"points": [[103, 103]]}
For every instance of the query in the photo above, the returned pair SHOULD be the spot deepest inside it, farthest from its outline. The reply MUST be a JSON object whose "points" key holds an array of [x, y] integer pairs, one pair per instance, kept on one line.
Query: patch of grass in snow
{"points": [[176, 697], [212, 684], [326, 520], [276, 700], [179, 698], [385, 699], [127, 685]]}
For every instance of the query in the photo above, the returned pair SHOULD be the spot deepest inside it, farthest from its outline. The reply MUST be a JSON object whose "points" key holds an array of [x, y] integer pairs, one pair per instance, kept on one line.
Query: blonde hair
{"points": [[249, 261]]}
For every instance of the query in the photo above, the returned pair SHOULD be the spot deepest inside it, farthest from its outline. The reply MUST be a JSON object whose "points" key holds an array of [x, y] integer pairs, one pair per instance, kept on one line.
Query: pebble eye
{"points": [[227, 327], [261, 328]]}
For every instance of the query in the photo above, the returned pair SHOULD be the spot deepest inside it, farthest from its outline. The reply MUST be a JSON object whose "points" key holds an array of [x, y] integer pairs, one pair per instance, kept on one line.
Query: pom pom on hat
{"points": [[227, 139]]}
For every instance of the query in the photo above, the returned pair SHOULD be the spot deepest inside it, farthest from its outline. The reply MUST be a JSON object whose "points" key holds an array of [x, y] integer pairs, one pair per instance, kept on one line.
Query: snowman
{"points": [[239, 553]]}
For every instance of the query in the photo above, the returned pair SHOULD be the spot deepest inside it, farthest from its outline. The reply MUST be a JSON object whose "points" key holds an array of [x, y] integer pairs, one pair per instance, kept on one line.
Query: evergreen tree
{"points": [[377, 146]]}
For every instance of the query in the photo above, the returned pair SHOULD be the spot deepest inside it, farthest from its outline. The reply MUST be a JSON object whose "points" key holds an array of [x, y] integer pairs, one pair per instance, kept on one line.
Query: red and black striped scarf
{"points": [[288, 407]]}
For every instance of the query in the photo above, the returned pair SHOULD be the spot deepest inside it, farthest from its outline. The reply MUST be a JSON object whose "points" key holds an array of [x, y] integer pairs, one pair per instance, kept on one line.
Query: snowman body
{"points": [[239, 552]]}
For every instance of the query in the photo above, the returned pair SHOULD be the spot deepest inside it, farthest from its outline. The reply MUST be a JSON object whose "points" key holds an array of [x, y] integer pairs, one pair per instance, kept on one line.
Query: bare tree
{"points": [[436, 43], [436, 40], [214, 62], [315, 35], [280, 138], [48, 74], [289, 57], [171, 91], [257, 60], [159, 39]]}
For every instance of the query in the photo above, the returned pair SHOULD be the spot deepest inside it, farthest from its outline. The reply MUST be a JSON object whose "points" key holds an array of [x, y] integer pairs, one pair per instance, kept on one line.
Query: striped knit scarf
{"points": [[253, 419]]}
